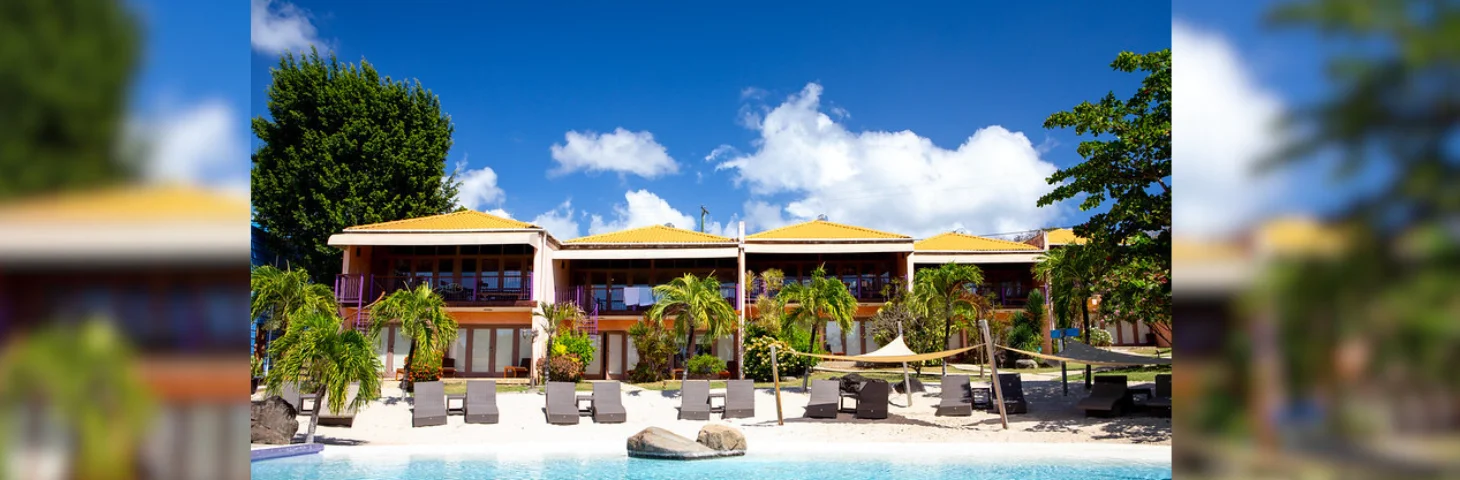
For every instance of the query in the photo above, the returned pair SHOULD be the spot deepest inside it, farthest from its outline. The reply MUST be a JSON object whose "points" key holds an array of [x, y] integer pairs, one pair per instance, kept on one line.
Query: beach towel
{"points": [[631, 296]]}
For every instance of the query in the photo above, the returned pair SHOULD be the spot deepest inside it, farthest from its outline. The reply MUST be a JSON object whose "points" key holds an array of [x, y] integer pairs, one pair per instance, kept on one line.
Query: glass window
{"points": [[481, 350], [503, 350], [424, 269], [469, 275], [524, 347]]}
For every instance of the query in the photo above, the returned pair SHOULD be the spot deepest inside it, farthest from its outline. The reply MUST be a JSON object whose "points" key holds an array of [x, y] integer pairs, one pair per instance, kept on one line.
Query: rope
{"points": [[905, 358], [1103, 363]]}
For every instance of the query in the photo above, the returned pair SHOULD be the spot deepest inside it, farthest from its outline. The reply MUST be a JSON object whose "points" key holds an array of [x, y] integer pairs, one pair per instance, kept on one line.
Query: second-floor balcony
{"points": [[624, 299], [362, 289], [865, 288]]}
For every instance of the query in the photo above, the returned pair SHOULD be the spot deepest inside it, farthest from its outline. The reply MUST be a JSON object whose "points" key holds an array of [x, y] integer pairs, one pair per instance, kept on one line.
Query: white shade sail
{"points": [[895, 351]]}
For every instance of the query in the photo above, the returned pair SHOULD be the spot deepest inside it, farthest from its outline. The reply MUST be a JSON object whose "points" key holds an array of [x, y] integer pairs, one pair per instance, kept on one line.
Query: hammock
{"points": [[895, 351], [1079, 352]]}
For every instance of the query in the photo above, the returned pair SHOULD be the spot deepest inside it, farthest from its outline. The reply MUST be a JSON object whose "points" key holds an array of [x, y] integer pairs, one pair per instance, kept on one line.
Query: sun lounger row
{"points": [[826, 398], [1111, 395], [957, 397]]}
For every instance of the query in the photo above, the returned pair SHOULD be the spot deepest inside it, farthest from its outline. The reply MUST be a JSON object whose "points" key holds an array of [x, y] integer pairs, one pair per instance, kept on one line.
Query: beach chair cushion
{"points": [[481, 401], [428, 404], [608, 406], [562, 404], [695, 400], [739, 399]]}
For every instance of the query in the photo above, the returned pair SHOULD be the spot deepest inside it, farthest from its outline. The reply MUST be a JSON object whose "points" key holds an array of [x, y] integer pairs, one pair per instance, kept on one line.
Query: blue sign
{"points": [[1056, 333], [1072, 332]]}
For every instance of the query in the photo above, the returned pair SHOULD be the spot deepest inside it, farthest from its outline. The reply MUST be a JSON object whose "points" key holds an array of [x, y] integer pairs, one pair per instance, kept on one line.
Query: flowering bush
{"points": [[1100, 338], [565, 368], [758, 359], [425, 367]]}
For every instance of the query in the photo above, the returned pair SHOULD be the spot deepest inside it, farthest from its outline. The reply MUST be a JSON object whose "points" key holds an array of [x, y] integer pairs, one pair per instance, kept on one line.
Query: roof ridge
{"points": [[828, 222], [520, 223], [676, 230]]}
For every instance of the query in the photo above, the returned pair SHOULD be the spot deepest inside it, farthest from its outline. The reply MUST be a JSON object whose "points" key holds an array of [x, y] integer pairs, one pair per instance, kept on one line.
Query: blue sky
{"points": [[752, 81], [517, 82]]}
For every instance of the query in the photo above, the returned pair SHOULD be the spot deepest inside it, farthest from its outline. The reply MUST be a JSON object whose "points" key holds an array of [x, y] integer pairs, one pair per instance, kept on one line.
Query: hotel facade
{"points": [[493, 271]]}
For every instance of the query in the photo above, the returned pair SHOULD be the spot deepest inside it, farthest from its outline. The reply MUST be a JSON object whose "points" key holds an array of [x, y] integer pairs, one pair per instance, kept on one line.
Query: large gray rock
{"points": [[1025, 363], [655, 442], [273, 422], [917, 386], [721, 437]]}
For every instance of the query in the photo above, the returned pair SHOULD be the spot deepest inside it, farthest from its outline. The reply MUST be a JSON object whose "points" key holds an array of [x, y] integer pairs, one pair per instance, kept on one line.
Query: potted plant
{"points": [[705, 366]]}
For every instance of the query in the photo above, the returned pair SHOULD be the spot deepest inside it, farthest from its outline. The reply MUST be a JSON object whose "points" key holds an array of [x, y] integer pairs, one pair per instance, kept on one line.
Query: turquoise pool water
{"points": [[743, 468]]}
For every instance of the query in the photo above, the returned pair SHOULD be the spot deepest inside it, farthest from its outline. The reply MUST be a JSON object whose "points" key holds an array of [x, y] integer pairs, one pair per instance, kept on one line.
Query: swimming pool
{"points": [[465, 467]]}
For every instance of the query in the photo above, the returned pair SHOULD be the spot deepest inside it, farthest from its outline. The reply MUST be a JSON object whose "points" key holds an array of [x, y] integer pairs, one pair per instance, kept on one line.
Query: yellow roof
{"points": [[652, 234], [129, 204], [1197, 250], [954, 241], [463, 220], [1063, 236], [1298, 235], [822, 230]]}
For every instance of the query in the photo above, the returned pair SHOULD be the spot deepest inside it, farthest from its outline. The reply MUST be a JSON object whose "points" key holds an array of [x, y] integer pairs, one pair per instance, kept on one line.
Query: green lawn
{"points": [[1132, 374]]}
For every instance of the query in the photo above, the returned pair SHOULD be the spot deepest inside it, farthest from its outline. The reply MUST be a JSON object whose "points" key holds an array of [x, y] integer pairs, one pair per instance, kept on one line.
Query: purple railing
{"points": [[359, 290], [862, 288]]}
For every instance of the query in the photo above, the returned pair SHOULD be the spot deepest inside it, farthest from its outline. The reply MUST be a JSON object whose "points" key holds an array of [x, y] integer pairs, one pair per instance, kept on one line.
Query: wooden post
{"points": [[994, 370], [907, 385], [776, 377]]}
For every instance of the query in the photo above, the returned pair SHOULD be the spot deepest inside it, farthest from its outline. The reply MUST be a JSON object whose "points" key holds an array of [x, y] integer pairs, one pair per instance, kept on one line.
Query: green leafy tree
{"points": [[696, 304], [422, 315], [63, 93], [921, 333], [770, 309], [655, 344], [342, 146], [1071, 273], [281, 294], [557, 318], [940, 293], [317, 349], [824, 298], [91, 387], [1127, 164]]}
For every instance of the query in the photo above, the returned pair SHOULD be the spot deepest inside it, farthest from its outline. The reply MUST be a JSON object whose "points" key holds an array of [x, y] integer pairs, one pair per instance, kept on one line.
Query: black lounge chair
{"points": [[956, 399], [481, 401], [1160, 402], [608, 406], [339, 419], [562, 404], [429, 404], [1106, 398], [695, 400], [825, 394], [1012, 389], [872, 399], [739, 399]]}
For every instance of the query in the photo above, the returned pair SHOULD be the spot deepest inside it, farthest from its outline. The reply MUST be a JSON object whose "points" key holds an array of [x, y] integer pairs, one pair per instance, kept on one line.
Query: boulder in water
{"points": [[273, 422], [655, 442], [722, 437]]}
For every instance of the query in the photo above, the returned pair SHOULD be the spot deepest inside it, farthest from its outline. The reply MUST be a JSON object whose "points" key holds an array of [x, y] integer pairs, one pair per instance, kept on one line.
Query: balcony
{"points": [[616, 299], [864, 288], [361, 289]]}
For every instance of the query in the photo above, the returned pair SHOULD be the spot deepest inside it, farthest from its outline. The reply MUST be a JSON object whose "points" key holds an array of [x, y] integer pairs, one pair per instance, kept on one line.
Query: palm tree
{"points": [[423, 319], [1070, 273], [695, 303], [318, 349], [769, 307], [280, 294], [824, 298], [559, 316], [941, 292], [89, 379]]}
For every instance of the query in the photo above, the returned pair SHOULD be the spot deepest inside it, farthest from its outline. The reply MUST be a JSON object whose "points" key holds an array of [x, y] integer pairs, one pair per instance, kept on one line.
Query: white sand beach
{"points": [[1052, 418]]}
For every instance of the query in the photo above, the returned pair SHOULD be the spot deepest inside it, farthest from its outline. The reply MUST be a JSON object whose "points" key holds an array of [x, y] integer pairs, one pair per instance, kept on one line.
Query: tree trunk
{"points": [[1085, 311], [689, 349], [410, 359], [319, 404], [947, 331]]}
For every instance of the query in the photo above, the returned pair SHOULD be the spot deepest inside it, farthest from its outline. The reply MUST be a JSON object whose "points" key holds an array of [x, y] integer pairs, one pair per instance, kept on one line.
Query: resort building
{"points": [[492, 271]]}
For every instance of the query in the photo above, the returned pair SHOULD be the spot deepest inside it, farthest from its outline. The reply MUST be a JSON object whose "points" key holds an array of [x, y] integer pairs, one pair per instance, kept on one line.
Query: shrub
{"points": [[1100, 338], [425, 367], [758, 359], [705, 365], [655, 345], [563, 369], [573, 343]]}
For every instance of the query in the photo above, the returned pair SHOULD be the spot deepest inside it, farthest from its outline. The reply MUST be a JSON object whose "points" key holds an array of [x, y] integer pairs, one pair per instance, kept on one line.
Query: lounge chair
{"points": [[1106, 398], [695, 400], [562, 404], [290, 394], [481, 401], [956, 399], [1012, 389], [1160, 402], [608, 405], [825, 395], [429, 404], [872, 400], [341, 419], [739, 399]]}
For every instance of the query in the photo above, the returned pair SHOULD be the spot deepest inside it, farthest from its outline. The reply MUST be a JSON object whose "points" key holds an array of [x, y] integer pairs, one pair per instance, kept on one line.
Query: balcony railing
{"points": [[861, 288], [617, 299], [360, 289]]}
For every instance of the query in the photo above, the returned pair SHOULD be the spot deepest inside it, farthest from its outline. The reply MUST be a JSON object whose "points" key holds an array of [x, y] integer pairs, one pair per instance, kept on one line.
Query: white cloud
{"points": [[643, 208], [720, 152], [198, 144], [621, 151], [896, 181], [1223, 123], [500, 212], [277, 27], [559, 221], [478, 188]]}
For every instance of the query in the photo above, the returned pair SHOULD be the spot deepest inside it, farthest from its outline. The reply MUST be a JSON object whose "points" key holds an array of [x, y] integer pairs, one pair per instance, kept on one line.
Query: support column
{"points": [[740, 294]]}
